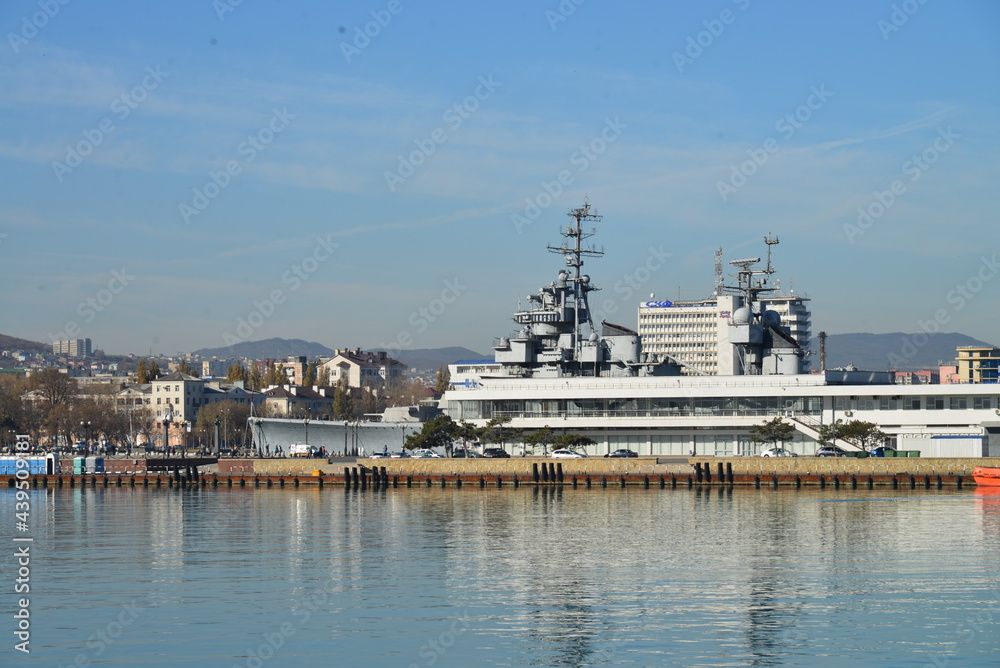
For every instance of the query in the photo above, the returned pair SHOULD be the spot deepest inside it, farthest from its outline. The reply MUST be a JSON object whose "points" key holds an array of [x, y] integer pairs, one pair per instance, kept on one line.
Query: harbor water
{"points": [[506, 577]]}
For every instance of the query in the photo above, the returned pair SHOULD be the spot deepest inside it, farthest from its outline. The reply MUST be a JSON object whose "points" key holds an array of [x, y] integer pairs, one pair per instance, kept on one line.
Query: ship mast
{"points": [[574, 255]]}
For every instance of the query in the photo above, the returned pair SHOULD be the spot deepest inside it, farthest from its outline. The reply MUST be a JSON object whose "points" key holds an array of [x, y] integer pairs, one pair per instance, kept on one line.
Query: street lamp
{"points": [[217, 423], [306, 421], [85, 424]]}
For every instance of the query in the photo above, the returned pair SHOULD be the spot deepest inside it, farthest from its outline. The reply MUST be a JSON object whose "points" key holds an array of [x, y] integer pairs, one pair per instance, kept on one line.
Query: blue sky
{"points": [[189, 174]]}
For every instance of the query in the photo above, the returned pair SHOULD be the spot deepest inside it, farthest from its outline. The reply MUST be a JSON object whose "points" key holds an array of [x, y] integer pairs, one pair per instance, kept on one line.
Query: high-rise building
{"points": [[691, 331], [72, 347], [978, 364]]}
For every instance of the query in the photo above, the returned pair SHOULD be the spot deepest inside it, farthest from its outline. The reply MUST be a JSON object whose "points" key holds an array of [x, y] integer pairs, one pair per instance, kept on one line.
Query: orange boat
{"points": [[986, 477]]}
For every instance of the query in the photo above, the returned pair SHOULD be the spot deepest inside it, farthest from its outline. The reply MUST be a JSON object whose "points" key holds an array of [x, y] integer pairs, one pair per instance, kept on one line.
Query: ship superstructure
{"points": [[557, 337]]}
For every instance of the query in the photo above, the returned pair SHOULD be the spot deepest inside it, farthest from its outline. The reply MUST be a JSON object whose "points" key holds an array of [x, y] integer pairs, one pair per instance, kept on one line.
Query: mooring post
{"points": [[545, 473], [721, 472], [534, 472], [559, 473], [697, 471], [729, 473]]}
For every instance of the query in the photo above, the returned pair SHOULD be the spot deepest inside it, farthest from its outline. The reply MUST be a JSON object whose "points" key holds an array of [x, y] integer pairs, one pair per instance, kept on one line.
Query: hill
{"points": [[879, 352], [24, 345], [277, 348], [274, 348], [429, 359]]}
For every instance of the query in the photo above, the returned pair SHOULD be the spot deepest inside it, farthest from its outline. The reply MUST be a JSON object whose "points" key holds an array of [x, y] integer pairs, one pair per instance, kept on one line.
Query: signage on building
{"points": [[658, 304]]}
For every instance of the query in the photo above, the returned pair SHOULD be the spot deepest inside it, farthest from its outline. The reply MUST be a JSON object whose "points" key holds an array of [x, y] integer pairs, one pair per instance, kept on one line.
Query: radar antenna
{"points": [[574, 254]]}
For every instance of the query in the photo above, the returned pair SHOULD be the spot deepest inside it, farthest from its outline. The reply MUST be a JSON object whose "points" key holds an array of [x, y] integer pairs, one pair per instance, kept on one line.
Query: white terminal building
{"points": [[695, 333]]}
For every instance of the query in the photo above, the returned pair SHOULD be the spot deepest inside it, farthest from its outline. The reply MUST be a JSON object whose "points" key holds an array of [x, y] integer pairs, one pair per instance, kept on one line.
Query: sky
{"points": [[387, 174]]}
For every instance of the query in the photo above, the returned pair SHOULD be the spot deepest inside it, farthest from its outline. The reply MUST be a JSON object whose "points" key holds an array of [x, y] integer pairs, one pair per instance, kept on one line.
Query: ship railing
{"points": [[605, 414]]}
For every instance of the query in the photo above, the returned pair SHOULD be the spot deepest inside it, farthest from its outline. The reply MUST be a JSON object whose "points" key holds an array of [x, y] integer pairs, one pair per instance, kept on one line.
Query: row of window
{"points": [[911, 403]]}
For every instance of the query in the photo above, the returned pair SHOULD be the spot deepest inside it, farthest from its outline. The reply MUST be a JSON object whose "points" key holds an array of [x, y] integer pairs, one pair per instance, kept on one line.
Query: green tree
{"points": [[438, 432], [236, 373], [542, 438], [773, 431], [323, 377], [867, 435], [342, 401], [494, 431], [256, 378], [154, 370], [572, 441]]}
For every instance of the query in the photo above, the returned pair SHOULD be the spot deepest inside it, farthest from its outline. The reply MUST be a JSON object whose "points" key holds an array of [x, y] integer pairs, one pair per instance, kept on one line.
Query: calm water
{"points": [[431, 577]]}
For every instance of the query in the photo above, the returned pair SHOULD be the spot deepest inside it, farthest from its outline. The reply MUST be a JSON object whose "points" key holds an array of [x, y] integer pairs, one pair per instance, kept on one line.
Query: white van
{"points": [[302, 450]]}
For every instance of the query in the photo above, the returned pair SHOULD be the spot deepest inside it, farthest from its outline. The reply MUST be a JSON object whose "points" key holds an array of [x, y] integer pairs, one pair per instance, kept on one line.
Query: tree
{"points": [[323, 377], [443, 379], [154, 370], [309, 377], [542, 438], [233, 427], [494, 432], [142, 372], [829, 434], [572, 441], [867, 435], [438, 432], [773, 431], [256, 378], [55, 387], [236, 373], [342, 401], [186, 369]]}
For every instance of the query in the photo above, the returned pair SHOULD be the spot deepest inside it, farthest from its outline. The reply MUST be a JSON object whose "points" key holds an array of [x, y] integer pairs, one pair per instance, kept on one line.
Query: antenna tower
{"points": [[574, 254]]}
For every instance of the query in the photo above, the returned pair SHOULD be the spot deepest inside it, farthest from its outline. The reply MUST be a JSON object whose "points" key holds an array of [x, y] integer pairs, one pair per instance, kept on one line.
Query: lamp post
{"points": [[85, 424], [306, 422], [217, 423]]}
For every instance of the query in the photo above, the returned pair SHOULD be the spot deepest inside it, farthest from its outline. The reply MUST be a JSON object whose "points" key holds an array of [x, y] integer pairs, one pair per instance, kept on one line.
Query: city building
{"points": [[72, 347], [978, 364], [694, 333], [363, 369]]}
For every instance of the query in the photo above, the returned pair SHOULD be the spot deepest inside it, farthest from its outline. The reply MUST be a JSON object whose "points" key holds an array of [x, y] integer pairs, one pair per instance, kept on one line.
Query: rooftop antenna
{"points": [[770, 241], [574, 254]]}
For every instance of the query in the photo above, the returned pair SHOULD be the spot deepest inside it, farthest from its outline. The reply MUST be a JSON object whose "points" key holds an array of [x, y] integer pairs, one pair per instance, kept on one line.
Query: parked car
{"points": [[425, 453], [567, 454], [462, 453], [379, 455], [778, 452], [881, 450], [496, 453], [624, 452], [830, 451], [402, 454]]}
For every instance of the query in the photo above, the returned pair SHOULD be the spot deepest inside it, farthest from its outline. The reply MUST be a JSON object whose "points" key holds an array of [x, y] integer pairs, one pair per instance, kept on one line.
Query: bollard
{"points": [[517, 483], [730, 478], [559, 473], [482, 482], [622, 479], [895, 482], [588, 482], [534, 472], [939, 482], [721, 473], [458, 483], [429, 483], [756, 482], [798, 482], [822, 482], [673, 481], [871, 483], [697, 471], [913, 482], [663, 482], [604, 481], [645, 482], [545, 472], [836, 482], [774, 481], [444, 482], [690, 482], [707, 470], [574, 482], [854, 482], [409, 481], [927, 482], [958, 482], [499, 481], [395, 481], [385, 476]]}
